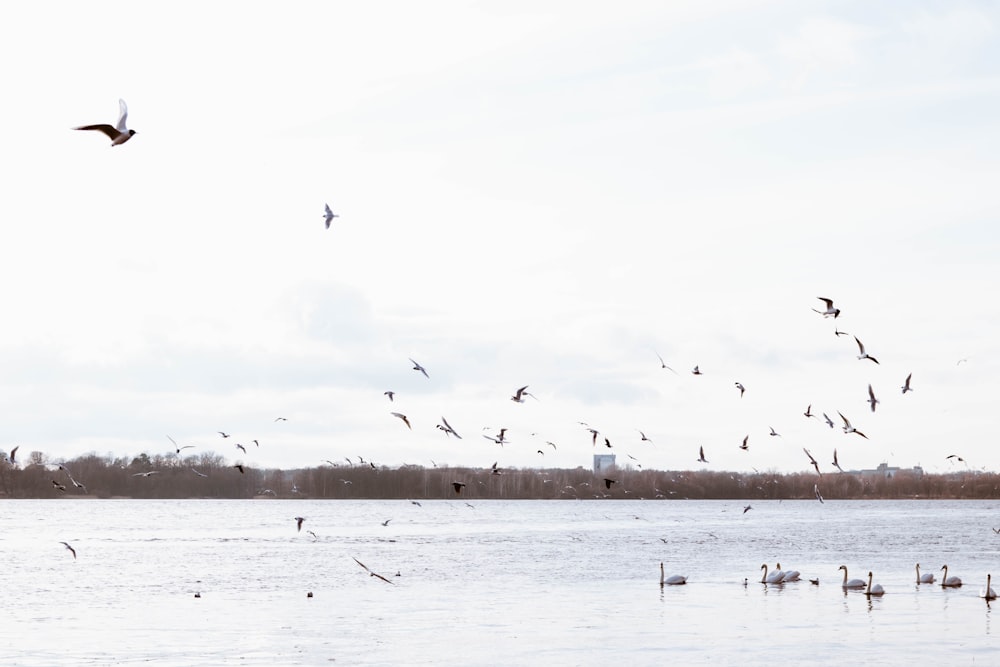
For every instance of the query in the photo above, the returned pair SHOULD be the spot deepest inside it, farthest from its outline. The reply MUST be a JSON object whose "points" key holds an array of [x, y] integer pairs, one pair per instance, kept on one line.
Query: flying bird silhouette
{"points": [[298, 522], [861, 351], [328, 215], [872, 401], [403, 417], [745, 446], [390, 394], [740, 386], [418, 367], [835, 463], [701, 455], [906, 385], [813, 461], [458, 486], [850, 429], [519, 395], [118, 134], [663, 364], [374, 574], [830, 310], [71, 549]]}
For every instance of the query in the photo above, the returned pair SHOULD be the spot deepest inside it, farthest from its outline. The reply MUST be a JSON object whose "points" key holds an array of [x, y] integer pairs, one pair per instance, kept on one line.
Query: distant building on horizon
{"points": [[887, 471], [603, 462]]}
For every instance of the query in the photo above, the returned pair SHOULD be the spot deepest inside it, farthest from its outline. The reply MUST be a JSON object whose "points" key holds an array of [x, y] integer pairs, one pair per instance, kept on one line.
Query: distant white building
{"points": [[603, 462], [887, 471]]}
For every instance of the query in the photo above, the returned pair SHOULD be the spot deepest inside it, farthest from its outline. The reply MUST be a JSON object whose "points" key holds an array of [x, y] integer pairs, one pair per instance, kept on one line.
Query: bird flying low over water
{"points": [[830, 310], [298, 522], [328, 215], [747, 509], [861, 351], [71, 549], [608, 482], [458, 486], [118, 134], [850, 429], [819, 496], [374, 574], [418, 367], [906, 385], [400, 415]]}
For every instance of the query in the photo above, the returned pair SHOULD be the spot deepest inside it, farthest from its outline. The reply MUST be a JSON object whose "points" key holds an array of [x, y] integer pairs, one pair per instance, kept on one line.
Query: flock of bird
{"points": [[779, 576]]}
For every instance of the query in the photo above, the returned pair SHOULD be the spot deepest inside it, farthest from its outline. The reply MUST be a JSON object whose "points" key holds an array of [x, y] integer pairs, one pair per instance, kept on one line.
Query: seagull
{"points": [[329, 215], [871, 398], [519, 395], [403, 417], [13, 452], [747, 509], [835, 464], [553, 445], [224, 435], [146, 474], [696, 371], [701, 455], [850, 429], [458, 486], [59, 486], [118, 134], [643, 438], [745, 446], [414, 502], [370, 572], [239, 466], [808, 412], [448, 429], [494, 470], [906, 385], [314, 535], [280, 419], [200, 474], [390, 394], [418, 367], [741, 388], [607, 443], [956, 457], [593, 433], [663, 364], [178, 447], [838, 333], [239, 446], [386, 522], [829, 422], [609, 482], [298, 522], [773, 432], [830, 310], [71, 549], [862, 354], [819, 496], [499, 438], [813, 461]]}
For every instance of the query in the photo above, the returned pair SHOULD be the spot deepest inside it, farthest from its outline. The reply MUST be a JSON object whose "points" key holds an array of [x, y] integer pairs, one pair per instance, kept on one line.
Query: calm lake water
{"points": [[495, 583]]}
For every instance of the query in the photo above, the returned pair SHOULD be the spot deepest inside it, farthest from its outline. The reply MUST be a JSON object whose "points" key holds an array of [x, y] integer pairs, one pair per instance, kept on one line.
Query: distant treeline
{"points": [[209, 475]]}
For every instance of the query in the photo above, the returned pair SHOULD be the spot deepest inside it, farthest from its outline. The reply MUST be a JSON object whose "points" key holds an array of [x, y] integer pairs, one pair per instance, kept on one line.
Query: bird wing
{"points": [[102, 127], [861, 346], [122, 115]]}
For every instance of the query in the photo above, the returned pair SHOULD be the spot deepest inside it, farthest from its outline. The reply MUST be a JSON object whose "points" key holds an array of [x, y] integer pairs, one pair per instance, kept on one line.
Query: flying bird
{"points": [[239, 446], [386, 522], [374, 574], [13, 453], [403, 417], [239, 466], [177, 447], [390, 394], [773, 432], [642, 437], [298, 522], [448, 429], [835, 464], [808, 412], [861, 351], [71, 549], [663, 364], [813, 461], [328, 215], [58, 486], [519, 395], [838, 333], [819, 496], [747, 509], [146, 474], [701, 455], [956, 457], [200, 474], [224, 435], [458, 486], [872, 401], [609, 482], [280, 419], [829, 422], [830, 310], [850, 429], [418, 367], [906, 385], [118, 134], [745, 446], [740, 386], [696, 371]]}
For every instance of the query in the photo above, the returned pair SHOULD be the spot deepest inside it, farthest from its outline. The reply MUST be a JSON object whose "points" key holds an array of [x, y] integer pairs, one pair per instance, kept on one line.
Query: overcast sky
{"points": [[530, 193]]}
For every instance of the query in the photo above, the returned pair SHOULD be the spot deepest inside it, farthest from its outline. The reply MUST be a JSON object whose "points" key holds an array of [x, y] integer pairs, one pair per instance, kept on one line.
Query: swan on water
{"points": [[673, 580], [875, 590], [790, 575], [926, 578], [988, 592], [853, 583], [773, 578], [949, 582]]}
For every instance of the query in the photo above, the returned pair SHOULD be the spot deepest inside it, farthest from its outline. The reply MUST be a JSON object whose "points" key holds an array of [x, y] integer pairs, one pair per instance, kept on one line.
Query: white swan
{"points": [[790, 575], [949, 582], [875, 590], [988, 592], [926, 578], [674, 580], [853, 583], [773, 578]]}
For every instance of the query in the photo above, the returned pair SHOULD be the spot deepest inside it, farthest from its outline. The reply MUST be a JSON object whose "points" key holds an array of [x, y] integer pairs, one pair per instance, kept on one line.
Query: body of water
{"points": [[492, 582]]}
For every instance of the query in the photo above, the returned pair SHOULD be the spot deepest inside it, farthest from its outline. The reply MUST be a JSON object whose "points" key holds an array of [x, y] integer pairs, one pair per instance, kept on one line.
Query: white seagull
{"points": [[519, 395], [835, 463], [118, 134], [906, 385], [830, 310], [861, 351], [418, 367], [872, 401], [850, 429]]}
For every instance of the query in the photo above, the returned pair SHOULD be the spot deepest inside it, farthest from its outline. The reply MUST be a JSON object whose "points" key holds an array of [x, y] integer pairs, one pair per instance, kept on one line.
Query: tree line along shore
{"points": [[209, 475]]}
